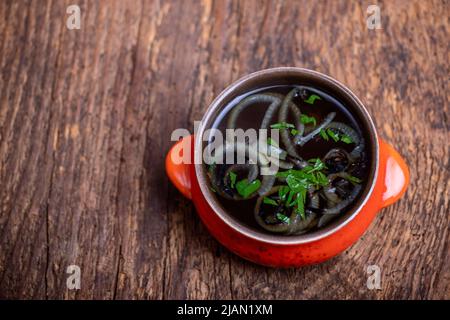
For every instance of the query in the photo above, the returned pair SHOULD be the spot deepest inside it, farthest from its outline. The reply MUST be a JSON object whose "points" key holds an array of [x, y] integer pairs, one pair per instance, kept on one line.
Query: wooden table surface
{"points": [[85, 122]]}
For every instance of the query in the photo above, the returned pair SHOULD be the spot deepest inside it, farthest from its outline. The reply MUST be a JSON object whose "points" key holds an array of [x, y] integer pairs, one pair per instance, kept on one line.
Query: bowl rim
{"points": [[273, 238]]}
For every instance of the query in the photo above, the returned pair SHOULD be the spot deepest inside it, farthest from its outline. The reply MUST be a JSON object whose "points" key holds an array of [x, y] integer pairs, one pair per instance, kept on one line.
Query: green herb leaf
{"points": [[299, 181], [272, 142], [272, 202], [353, 179], [300, 209], [322, 179], [312, 98], [296, 184], [333, 135], [346, 139], [282, 125], [289, 201], [294, 132], [318, 164], [245, 189], [233, 177], [307, 120], [282, 192], [323, 134], [283, 218]]}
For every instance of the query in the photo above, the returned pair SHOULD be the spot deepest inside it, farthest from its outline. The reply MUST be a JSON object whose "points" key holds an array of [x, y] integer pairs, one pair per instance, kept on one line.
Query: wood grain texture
{"points": [[85, 122]]}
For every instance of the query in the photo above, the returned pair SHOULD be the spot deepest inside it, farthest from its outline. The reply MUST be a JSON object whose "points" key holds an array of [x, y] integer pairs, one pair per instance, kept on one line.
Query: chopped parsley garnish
{"points": [[272, 142], [301, 198], [294, 132], [299, 181], [312, 98], [289, 201], [324, 135], [283, 218], [333, 135], [282, 192], [245, 188], [346, 139], [317, 164], [321, 179], [353, 179], [307, 120], [282, 125], [233, 177], [272, 202]]}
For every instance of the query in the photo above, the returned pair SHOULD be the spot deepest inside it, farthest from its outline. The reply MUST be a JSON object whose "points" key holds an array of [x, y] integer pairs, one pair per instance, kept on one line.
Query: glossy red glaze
{"points": [[391, 183], [178, 172]]}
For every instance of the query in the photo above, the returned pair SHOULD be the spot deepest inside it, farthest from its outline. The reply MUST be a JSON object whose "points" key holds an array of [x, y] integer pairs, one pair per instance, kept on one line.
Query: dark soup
{"points": [[312, 170]]}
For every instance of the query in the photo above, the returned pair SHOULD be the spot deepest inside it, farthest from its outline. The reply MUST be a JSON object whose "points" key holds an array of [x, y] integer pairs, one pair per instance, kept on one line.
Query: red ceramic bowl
{"points": [[388, 179]]}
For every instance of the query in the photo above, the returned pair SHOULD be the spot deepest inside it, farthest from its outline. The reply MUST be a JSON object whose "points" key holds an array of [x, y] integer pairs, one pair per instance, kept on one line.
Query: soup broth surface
{"points": [[336, 152]]}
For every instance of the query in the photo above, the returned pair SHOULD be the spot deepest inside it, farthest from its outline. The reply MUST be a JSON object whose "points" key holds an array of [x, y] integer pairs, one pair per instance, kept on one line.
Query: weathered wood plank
{"points": [[86, 117]]}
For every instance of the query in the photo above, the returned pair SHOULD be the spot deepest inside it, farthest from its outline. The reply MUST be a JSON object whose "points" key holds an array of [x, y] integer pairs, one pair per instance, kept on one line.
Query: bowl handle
{"points": [[396, 174], [178, 162]]}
